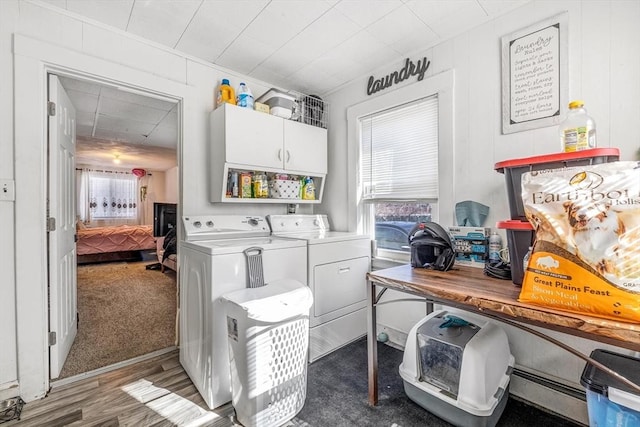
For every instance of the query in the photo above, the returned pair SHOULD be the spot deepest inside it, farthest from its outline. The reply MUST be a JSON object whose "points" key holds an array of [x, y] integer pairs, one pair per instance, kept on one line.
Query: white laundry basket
{"points": [[268, 329]]}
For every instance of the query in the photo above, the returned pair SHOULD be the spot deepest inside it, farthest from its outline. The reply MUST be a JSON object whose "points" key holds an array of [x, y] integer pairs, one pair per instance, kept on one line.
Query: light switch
{"points": [[7, 190]]}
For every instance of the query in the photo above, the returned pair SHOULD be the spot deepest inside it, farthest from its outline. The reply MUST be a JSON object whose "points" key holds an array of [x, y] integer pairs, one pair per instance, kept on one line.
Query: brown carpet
{"points": [[125, 311]]}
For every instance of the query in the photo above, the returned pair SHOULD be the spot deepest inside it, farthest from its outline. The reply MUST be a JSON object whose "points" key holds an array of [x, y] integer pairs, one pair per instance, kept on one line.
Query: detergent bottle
{"points": [[308, 189], [225, 93], [245, 97]]}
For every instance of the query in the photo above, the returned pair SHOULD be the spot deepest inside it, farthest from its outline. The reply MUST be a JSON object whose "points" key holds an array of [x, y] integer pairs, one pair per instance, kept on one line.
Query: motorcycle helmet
{"points": [[431, 247]]}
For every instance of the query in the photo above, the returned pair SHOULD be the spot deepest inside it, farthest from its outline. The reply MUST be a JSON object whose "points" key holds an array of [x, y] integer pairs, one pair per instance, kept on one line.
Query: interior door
{"points": [[61, 226]]}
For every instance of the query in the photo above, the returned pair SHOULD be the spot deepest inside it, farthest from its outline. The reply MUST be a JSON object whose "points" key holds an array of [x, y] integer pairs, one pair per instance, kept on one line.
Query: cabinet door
{"points": [[305, 148], [253, 138]]}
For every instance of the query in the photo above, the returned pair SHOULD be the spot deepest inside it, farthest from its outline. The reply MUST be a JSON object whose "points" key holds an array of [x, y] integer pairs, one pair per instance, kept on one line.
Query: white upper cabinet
{"points": [[305, 148], [247, 140]]}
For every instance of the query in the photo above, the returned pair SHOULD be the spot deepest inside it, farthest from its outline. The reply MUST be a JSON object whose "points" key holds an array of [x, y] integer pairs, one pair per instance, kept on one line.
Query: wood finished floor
{"points": [[155, 392]]}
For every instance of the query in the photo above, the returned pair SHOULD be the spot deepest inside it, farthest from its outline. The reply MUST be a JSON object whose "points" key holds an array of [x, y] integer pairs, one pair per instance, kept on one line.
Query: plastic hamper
{"points": [[268, 329]]}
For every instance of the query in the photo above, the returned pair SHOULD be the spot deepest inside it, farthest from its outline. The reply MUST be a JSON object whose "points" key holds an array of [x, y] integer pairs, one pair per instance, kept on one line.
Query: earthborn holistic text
{"points": [[586, 256]]}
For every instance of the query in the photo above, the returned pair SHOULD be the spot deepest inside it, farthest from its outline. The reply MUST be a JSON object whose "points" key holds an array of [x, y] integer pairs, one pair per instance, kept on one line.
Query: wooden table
{"points": [[469, 289]]}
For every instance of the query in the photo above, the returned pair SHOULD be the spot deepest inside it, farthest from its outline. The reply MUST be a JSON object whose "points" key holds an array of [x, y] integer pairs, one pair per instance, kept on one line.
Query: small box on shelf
{"points": [[284, 189]]}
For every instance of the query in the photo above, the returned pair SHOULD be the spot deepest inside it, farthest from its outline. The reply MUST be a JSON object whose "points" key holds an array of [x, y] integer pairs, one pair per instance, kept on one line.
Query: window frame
{"points": [[442, 85]]}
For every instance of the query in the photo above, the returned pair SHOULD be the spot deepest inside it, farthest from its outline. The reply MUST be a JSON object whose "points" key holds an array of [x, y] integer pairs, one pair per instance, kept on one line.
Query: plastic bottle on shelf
{"points": [[225, 94], [578, 130], [244, 97], [308, 189], [234, 184], [495, 246]]}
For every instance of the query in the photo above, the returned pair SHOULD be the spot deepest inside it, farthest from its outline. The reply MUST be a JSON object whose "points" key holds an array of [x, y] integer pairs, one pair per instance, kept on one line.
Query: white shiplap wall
{"points": [[604, 71]]}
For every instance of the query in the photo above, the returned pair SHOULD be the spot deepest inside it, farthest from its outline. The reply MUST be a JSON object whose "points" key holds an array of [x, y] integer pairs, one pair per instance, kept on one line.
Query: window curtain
{"points": [[82, 195], [400, 152], [107, 197]]}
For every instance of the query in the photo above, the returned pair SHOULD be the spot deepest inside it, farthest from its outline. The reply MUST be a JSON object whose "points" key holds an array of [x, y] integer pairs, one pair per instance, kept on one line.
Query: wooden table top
{"points": [[468, 288]]}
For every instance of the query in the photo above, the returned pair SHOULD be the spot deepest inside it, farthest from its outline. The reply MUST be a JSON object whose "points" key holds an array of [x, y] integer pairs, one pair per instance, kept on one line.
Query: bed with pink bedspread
{"points": [[113, 243]]}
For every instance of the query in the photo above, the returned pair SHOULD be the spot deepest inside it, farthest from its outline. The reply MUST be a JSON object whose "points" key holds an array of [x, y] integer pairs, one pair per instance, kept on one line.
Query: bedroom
{"points": [[126, 179]]}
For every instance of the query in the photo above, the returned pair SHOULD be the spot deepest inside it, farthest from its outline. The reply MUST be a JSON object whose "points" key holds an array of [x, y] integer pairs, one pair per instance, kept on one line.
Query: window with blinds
{"points": [[399, 152], [399, 171]]}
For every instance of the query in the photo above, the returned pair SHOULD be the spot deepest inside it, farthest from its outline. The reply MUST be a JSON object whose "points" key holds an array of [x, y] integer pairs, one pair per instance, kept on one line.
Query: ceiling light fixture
{"points": [[116, 159]]}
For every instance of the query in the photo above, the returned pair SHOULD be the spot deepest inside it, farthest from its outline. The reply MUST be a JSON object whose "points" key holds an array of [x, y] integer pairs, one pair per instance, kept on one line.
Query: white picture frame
{"points": [[534, 75]]}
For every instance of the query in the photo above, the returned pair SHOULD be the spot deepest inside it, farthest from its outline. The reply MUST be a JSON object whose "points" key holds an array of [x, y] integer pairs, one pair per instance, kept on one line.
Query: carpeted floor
{"points": [[337, 393], [124, 311]]}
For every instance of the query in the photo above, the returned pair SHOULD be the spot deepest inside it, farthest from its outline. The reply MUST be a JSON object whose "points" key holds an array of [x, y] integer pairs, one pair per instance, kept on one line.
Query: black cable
{"points": [[498, 269]]}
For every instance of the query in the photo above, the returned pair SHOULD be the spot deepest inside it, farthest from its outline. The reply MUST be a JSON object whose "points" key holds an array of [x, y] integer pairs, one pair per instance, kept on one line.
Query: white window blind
{"points": [[400, 152]]}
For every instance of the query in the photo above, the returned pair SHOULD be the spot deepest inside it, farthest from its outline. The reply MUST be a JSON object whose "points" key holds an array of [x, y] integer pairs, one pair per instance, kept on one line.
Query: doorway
{"points": [[124, 310]]}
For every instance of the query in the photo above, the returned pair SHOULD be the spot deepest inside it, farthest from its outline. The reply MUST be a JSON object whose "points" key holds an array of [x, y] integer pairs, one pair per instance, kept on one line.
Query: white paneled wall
{"points": [[127, 59], [604, 71]]}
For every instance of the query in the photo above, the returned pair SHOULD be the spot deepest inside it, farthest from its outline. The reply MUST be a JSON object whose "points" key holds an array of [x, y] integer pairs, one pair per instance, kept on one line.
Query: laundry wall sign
{"points": [[409, 69]]}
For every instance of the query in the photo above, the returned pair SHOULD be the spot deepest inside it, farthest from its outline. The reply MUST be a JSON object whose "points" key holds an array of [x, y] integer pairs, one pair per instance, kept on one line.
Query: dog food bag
{"points": [[586, 255]]}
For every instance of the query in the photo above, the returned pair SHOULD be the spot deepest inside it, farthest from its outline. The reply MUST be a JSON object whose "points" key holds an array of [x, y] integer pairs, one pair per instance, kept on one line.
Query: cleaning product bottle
{"points": [[495, 246], [308, 189], [225, 93], [245, 97], [578, 130]]}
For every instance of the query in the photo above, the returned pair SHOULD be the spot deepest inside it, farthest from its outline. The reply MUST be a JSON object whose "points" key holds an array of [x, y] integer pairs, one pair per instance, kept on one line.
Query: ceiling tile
{"points": [[254, 52], [216, 25], [111, 12], [115, 135], [432, 11], [83, 130], [126, 110], [399, 25], [366, 50], [163, 136], [363, 13], [80, 85], [86, 119], [83, 101], [62, 4], [499, 7], [134, 98], [124, 126], [162, 21], [449, 18], [329, 31], [283, 19]]}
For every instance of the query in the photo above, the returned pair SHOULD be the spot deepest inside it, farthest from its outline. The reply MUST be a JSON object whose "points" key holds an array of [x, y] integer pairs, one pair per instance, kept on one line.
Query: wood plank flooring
{"points": [[155, 392]]}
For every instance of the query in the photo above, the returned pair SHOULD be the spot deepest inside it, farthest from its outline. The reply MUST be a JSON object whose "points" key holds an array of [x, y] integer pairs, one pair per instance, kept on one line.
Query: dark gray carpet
{"points": [[337, 395]]}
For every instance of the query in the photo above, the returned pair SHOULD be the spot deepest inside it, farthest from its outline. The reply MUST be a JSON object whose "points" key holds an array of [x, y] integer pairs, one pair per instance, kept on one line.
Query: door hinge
{"points": [[51, 224], [52, 338], [51, 108]]}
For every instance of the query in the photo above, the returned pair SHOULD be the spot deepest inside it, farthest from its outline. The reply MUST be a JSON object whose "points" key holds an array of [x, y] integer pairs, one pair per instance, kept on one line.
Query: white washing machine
{"points": [[337, 263], [212, 263]]}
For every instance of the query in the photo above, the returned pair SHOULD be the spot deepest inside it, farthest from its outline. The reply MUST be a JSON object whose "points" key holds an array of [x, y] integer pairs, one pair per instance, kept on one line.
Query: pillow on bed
{"points": [[80, 225]]}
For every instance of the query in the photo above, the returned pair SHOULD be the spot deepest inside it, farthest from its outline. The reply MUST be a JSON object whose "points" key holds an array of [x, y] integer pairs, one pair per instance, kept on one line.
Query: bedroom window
{"points": [[107, 195], [399, 172]]}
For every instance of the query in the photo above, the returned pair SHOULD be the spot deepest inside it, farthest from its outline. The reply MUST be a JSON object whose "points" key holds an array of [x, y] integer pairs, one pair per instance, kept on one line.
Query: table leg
{"points": [[372, 344]]}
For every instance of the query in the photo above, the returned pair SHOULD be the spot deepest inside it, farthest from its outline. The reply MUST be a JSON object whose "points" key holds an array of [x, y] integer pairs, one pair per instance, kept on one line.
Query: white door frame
{"points": [[33, 59]]}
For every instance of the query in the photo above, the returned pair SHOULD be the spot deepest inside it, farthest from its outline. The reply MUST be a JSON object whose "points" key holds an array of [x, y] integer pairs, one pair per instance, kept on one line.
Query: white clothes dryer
{"points": [[337, 264], [213, 263]]}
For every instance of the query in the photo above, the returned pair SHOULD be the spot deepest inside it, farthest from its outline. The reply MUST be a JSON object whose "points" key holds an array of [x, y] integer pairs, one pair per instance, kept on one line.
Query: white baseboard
{"points": [[9, 390], [548, 399]]}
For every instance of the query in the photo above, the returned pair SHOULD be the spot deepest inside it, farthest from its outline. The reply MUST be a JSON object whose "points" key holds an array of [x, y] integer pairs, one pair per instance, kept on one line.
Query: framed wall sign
{"points": [[534, 75]]}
